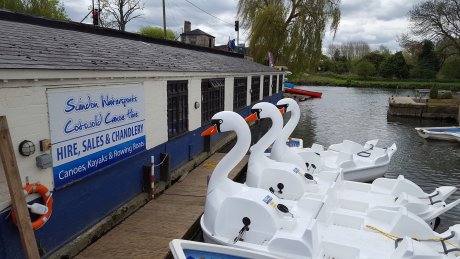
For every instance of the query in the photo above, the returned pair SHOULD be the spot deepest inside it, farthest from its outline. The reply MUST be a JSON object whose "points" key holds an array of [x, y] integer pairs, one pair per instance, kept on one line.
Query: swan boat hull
{"points": [[440, 133], [362, 170], [303, 92], [313, 226]]}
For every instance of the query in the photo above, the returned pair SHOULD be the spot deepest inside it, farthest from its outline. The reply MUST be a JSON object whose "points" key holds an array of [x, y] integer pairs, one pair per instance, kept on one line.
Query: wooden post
{"points": [[16, 192], [165, 174]]}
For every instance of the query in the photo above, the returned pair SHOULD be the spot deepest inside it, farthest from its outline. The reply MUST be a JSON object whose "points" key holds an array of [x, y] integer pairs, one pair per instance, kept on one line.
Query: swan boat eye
{"points": [[257, 112], [217, 122]]}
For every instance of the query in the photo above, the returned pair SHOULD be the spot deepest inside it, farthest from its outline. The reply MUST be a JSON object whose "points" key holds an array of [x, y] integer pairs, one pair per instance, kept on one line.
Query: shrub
{"points": [[422, 73], [364, 68], [451, 68]]}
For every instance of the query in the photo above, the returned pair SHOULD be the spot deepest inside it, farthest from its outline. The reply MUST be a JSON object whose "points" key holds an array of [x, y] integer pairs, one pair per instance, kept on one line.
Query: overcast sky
{"points": [[376, 22]]}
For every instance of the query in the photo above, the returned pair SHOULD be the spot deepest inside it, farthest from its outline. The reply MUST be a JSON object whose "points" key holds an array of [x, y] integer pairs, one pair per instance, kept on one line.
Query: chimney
{"points": [[187, 26]]}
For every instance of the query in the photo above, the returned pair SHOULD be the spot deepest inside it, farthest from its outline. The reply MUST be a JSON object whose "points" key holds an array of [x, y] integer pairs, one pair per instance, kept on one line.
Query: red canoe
{"points": [[303, 92]]}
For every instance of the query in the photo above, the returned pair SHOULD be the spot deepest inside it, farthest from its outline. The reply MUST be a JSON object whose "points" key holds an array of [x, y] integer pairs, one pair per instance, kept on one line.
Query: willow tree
{"points": [[292, 30]]}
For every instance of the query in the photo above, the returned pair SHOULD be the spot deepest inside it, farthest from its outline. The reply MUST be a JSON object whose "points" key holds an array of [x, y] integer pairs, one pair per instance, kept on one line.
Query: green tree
{"points": [[386, 68], [400, 65], [427, 58], [451, 68], [395, 66], [375, 58], [437, 20], [384, 51], [364, 68], [157, 32], [292, 30], [428, 62], [47, 8]]}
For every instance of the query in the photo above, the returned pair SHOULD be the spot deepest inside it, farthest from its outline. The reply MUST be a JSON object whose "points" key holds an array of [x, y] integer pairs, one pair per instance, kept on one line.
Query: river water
{"points": [[360, 114]]}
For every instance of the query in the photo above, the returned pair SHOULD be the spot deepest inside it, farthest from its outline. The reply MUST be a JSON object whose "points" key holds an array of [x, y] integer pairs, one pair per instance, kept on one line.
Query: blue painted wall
{"points": [[82, 204]]}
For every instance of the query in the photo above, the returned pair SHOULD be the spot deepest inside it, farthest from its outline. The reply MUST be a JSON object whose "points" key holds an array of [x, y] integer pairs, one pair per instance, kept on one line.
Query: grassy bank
{"points": [[355, 81]]}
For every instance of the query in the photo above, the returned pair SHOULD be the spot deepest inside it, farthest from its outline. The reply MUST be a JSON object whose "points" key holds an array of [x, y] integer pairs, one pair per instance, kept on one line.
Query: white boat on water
{"points": [[440, 133], [255, 219], [289, 178], [185, 249], [362, 163]]}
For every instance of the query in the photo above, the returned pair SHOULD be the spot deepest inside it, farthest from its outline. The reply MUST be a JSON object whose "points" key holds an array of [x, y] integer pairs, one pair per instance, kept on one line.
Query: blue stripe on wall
{"points": [[84, 203]]}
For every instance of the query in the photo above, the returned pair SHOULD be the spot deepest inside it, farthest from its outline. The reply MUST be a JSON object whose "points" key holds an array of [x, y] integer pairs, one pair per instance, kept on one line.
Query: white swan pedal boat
{"points": [[252, 218], [440, 133], [289, 178], [362, 163]]}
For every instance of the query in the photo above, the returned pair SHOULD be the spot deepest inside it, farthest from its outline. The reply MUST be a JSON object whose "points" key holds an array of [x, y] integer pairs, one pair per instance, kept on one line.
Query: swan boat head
{"points": [[286, 180], [236, 214]]}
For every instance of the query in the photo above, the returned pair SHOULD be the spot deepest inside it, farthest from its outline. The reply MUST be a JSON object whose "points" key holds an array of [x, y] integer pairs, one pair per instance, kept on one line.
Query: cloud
{"points": [[377, 22]]}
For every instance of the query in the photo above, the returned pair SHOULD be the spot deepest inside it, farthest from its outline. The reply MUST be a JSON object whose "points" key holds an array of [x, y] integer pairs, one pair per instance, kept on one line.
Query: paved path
{"points": [[146, 233]]}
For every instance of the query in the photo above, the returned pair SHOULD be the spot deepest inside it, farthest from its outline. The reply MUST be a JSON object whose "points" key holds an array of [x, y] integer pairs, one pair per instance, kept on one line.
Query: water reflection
{"points": [[360, 114]]}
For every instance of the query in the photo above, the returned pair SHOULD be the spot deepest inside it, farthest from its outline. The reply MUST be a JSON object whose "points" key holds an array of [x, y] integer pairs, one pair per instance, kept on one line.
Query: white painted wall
{"points": [[248, 97], [156, 112], [229, 90], [24, 101], [27, 114], [25, 105], [277, 85], [194, 95], [261, 87]]}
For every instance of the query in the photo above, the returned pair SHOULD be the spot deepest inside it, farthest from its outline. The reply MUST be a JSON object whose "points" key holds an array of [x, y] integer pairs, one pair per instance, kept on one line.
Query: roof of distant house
{"points": [[30, 42], [197, 32]]}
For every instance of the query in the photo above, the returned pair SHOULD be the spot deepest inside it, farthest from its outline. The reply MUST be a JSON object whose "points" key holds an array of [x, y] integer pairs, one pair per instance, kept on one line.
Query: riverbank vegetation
{"points": [[352, 80], [433, 62]]}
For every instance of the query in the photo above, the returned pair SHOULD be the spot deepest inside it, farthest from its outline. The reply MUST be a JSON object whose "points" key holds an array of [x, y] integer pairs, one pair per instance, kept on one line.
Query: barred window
{"points": [[266, 86], [177, 107], [240, 93], [274, 81], [212, 98], [255, 89], [280, 83]]}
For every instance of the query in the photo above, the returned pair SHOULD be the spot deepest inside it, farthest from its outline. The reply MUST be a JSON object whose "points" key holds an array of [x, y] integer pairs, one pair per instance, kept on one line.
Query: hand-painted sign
{"points": [[94, 128]]}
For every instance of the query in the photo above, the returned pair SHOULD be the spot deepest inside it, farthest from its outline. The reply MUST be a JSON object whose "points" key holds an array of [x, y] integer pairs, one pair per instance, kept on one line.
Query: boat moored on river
{"points": [[256, 219], [440, 133]]}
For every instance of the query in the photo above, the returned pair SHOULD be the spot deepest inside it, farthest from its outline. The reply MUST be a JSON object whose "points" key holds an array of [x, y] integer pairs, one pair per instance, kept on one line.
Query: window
{"points": [[177, 107], [240, 90], [274, 84], [255, 89], [212, 98], [280, 83], [266, 86]]}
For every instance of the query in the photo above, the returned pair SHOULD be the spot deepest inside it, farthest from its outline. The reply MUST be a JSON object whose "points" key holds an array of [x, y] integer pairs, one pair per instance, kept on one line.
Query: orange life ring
{"points": [[47, 198]]}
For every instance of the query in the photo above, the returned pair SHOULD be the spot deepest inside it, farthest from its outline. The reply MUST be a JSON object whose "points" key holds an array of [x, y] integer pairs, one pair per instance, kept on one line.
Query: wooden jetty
{"points": [[174, 214], [424, 108]]}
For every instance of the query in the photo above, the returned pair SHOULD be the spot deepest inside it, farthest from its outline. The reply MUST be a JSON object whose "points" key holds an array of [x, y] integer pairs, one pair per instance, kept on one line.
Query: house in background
{"points": [[196, 37]]}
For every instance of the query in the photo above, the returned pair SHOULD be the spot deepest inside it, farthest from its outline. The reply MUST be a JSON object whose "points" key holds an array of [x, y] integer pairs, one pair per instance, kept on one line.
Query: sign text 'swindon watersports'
{"points": [[91, 129]]}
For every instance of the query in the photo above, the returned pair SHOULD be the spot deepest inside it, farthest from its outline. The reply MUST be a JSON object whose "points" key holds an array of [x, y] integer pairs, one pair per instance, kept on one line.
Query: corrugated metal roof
{"points": [[30, 42]]}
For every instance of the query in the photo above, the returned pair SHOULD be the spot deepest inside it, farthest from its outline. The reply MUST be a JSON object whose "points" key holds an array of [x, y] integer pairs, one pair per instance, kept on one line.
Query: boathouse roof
{"points": [[30, 42]]}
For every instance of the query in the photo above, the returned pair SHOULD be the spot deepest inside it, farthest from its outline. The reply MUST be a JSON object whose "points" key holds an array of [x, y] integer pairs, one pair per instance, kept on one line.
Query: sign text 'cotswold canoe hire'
{"points": [[94, 128]]}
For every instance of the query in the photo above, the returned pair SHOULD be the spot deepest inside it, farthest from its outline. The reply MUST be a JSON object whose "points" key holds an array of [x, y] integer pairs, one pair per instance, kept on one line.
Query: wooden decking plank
{"points": [[147, 233]]}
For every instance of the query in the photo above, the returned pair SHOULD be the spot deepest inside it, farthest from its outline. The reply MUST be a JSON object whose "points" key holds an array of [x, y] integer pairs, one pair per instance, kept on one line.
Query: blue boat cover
{"points": [[451, 130], [288, 85]]}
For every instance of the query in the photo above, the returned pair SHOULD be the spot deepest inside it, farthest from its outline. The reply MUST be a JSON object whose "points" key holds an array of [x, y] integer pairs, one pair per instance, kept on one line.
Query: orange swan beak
{"points": [[210, 131]]}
